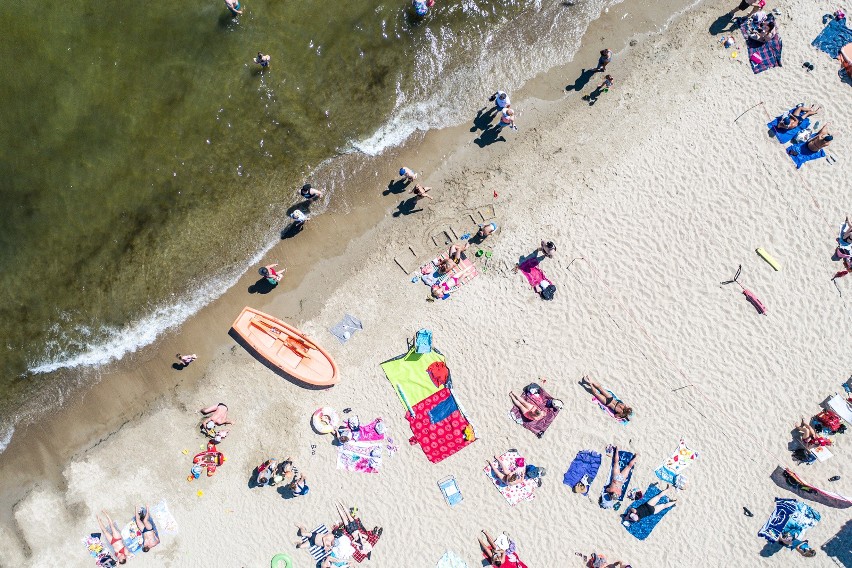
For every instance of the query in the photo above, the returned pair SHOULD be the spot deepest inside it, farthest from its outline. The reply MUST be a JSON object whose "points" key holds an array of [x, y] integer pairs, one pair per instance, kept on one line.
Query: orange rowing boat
{"points": [[286, 347]]}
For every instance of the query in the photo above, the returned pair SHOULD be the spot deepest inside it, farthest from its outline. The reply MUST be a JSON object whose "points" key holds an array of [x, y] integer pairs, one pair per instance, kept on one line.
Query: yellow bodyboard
{"points": [[768, 258]]}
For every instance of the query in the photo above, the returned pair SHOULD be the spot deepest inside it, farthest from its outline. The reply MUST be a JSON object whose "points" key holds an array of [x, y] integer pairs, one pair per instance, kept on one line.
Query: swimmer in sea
{"points": [[234, 7], [308, 192], [262, 60]]}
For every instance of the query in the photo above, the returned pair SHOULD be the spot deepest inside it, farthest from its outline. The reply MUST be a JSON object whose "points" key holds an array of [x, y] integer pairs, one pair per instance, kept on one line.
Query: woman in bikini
{"points": [[621, 410], [112, 532], [508, 477], [143, 521], [528, 410], [619, 476]]}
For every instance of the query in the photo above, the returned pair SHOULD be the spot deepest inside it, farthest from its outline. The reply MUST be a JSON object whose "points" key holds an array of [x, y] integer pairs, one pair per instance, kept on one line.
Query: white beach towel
{"points": [[839, 405]]}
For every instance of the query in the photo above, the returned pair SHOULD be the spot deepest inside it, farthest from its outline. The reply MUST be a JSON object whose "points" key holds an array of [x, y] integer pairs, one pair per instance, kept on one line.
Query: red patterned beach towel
{"points": [[769, 52], [438, 436]]}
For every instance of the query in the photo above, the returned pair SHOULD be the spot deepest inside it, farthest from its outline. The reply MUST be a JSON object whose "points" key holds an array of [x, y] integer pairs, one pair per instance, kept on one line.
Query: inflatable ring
{"points": [[282, 561], [325, 420]]}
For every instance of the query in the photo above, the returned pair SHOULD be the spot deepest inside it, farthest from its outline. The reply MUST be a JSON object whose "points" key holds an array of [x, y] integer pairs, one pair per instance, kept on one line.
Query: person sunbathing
{"points": [[513, 477], [326, 540], [113, 533], [809, 437], [619, 409], [353, 527], [547, 248], [619, 476], [650, 507], [445, 265], [800, 546], [493, 553], [820, 140], [455, 252], [845, 62], [528, 410], [596, 560], [149, 535], [218, 414], [796, 116]]}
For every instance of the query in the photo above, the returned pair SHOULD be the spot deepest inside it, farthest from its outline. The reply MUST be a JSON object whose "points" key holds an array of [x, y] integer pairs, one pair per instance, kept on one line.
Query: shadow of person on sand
{"points": [[489, 137], [262, 286], [581, 81], [178, 366], [396, 186], [723, 24], [769, 549], [407, 207], [482, 120]]}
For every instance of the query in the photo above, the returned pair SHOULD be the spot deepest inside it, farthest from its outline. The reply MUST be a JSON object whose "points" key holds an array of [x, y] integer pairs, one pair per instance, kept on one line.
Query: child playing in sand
{"points": [[186, 359]]}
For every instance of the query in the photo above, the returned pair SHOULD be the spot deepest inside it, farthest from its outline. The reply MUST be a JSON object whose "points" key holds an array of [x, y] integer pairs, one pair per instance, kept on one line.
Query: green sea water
{"points": [[143, 148]]}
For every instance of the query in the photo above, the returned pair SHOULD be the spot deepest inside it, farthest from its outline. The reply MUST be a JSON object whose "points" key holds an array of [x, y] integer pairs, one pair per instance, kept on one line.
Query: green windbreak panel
{"points": [[409, 373]]}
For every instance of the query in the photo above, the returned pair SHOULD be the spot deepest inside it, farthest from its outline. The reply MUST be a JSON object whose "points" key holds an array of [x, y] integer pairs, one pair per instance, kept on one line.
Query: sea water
{"points": [[148, 161]]}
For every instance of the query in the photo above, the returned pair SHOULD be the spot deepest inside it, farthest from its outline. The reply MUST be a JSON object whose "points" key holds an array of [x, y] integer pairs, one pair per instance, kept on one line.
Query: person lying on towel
{"points": [[791, 120], [618, 408], [613, 491], [650, 507], [817, 142]]}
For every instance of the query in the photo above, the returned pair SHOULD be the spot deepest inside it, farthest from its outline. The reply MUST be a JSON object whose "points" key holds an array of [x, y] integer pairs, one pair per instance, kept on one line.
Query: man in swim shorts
{"points": [[262, 60], [234, 7], [308, 192]]}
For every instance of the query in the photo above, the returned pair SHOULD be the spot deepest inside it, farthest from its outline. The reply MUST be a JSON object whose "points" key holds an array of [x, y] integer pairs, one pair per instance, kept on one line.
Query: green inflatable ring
{"points": [[279, 558]]}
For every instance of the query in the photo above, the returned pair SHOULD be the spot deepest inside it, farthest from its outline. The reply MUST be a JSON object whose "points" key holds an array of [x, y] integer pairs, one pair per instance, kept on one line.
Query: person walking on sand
{"points": [[605, 58], [507, 118], [113, 533], [408, 175], [218, 414], [744, 5], [262, 60], [185, 360], [501, 99], [234, 7], [604, 87], [420, 192], [272, 276]]}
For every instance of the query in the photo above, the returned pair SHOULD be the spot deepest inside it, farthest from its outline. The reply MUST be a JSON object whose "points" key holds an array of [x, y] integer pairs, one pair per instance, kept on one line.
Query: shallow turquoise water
{"points": [[143, 148]]}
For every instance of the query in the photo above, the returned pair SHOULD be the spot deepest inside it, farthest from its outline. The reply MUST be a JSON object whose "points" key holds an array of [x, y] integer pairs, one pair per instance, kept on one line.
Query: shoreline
{"points": [[51, 436]]}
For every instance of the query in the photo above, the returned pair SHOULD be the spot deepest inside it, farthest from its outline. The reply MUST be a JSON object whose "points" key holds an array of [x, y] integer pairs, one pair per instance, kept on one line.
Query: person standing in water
{"points": [[308, 192], [606, 57], [262, 60], [234, 7]]}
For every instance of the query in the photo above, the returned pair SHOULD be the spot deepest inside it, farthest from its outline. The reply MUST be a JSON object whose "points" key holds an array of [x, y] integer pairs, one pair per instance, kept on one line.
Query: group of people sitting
{"points": [[442, 285], [500, 552], [514, 474], [342, 542], [273, 472], [762, 27]]}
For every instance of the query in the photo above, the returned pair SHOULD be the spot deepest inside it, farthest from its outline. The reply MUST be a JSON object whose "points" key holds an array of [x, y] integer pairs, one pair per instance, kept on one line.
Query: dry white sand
{"points": [[662, 194]]}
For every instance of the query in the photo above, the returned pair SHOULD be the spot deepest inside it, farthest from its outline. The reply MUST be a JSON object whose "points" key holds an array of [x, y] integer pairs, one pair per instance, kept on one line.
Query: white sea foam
{"points": [[142, 332], [6, 438]]}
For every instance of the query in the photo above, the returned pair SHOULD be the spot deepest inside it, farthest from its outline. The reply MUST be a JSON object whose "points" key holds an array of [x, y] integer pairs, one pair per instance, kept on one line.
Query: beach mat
{"points": [[789, 516], [608, 410], [534, 275], [346, 328], [785, 136], [408, 373], [450, 560], [516, 493], [681, 458], [541, 399], [643, 528], [98, 550], [318, 553], [586, 463], [163, 520], [624, 458], [769, 52], [803, 154], [442, 438], [132, 537], [832, 38], [789, 480], [372, 538], [840, 407]]}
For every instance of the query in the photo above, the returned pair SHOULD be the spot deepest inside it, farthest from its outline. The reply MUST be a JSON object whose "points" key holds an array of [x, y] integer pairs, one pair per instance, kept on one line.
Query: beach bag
{"points": [[803, 136], [549, 292], [803, 456], [829, 419]]}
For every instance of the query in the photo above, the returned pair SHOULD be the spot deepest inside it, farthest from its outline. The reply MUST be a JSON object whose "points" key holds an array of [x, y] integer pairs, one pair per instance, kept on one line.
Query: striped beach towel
{"points": [[318, 553]]}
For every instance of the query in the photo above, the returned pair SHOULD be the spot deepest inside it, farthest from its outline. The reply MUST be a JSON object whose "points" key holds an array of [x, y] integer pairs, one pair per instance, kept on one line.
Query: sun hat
{"points": [[402, 171]]}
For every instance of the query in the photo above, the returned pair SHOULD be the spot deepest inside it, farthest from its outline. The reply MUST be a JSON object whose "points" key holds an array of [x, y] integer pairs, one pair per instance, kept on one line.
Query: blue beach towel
{"points": [[789, 516], [586, 463], [803, 154], [833, 38], [624, 458], [423, 341], [643, 528], [784, 136]]}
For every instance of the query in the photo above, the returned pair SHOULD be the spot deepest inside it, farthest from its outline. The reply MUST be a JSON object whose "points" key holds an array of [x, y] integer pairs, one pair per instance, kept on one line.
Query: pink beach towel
{"points": [[541, 400], [532, 271], [516, 493]]}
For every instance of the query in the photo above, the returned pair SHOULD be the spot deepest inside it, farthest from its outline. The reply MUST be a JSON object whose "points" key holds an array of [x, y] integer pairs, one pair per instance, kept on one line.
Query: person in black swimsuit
{"points": [[650, 507], [143, 521]]}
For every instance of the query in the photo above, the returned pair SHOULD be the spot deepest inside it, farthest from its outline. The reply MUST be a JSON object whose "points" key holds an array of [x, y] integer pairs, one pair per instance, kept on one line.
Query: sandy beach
{"points": [[654, 196]]}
